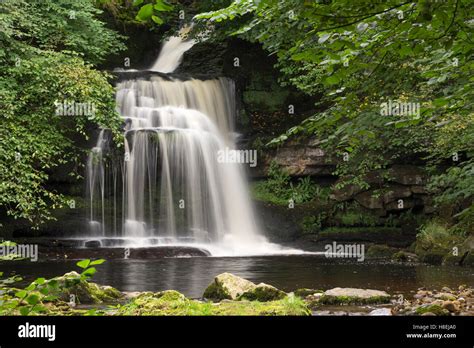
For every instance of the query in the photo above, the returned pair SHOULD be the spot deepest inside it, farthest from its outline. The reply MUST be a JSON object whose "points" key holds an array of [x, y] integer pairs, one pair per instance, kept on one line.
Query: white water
{"points": [[171, 187], [172, 52]]}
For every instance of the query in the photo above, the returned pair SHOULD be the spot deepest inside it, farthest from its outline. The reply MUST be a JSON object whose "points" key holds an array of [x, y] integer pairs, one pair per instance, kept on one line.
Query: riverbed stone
{"points": [[445, 296], [452, 306], [381, 312], [354, 296]]}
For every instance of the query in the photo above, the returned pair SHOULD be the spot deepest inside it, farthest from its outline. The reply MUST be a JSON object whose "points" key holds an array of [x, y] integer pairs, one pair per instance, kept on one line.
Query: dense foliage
{"points": [[48, 50], [366, 56]]}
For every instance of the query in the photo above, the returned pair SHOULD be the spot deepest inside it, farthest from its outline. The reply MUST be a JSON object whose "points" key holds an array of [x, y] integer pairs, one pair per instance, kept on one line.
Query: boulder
{"points": [[84, 292], [303, 292], [354, 296], [452, 306], [227, 286], [263, 293]]}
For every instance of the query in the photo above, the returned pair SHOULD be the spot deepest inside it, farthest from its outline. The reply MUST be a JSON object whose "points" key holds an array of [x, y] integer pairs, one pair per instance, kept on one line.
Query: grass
{"points": [[173, 303]]}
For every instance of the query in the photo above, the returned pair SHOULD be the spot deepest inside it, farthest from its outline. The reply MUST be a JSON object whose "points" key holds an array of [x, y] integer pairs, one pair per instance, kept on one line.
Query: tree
{"points": [[373, 60], [47, 52]]}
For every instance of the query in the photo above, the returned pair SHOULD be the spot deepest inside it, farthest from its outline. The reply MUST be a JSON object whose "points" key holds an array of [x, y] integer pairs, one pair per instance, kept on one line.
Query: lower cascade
{"points": [[170, 188]]}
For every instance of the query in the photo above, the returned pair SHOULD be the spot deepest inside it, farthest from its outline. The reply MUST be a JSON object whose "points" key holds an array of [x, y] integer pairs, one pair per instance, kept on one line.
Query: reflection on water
{"points": [[191, 275]]}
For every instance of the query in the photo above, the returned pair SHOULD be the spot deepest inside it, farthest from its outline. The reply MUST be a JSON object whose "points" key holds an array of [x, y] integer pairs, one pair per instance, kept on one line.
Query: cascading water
{"points": [[173, 189]]}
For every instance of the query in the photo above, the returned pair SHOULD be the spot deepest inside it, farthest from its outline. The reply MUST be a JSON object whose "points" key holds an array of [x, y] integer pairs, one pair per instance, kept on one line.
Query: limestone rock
{"points": [[227, 286]]}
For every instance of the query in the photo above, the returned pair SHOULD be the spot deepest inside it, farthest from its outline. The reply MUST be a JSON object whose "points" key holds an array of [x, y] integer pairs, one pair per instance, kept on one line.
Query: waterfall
{"points": [[172, 52], [170, 188]]}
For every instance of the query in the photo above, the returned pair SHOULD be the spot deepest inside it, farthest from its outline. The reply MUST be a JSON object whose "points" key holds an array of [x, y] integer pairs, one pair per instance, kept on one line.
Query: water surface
{"points": [[192, 275]]}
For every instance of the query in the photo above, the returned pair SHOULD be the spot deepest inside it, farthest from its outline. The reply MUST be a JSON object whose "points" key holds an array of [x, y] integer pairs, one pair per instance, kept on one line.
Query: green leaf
{"points": [[32, 299], [31, 287], [97, 262], [40, 281], [157, 20], [137, 2], [145, 12], [21, 294], [84, 263], [89, 272], [24, 310], [162, 6]]}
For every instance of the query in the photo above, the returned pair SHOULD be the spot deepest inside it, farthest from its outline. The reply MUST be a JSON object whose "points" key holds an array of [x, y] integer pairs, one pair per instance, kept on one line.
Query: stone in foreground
{"points": [[263, 293], [354, 296], [227, 286]]}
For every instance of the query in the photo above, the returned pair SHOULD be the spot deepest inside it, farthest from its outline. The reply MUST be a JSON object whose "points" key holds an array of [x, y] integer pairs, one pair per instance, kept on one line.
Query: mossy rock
{"points": [[173, 303], [303, 292], [432, 308], [227, 286], [346, 296], [85, 292], [263, 293], [380, 251], [400, 256]]}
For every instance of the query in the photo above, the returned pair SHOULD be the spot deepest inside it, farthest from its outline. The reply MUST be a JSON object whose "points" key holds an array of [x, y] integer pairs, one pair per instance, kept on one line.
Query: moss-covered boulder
{"points": [[84, 292], [304, 292], [343, 296], [263, 293], [227, 286]]}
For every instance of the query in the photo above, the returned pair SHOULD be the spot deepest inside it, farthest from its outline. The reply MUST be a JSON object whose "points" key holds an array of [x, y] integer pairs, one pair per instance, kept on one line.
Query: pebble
{"points": [[451, 306], [381, 311]]}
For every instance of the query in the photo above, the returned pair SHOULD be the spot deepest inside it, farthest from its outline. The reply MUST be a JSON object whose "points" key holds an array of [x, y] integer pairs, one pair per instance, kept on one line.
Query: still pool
{"points": [[192, 275]]}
